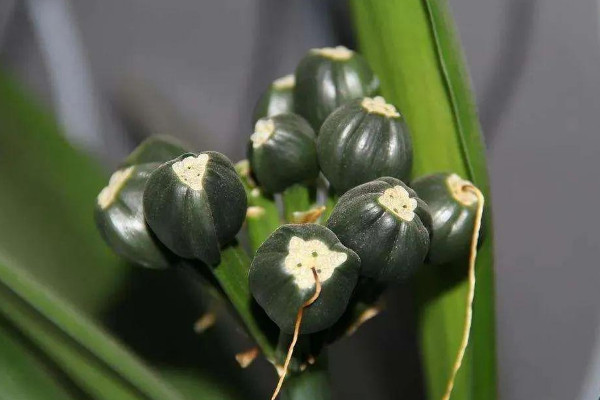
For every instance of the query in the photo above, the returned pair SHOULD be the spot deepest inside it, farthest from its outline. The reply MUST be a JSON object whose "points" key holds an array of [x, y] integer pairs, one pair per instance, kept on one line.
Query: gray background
{"points": [[193, 68]]}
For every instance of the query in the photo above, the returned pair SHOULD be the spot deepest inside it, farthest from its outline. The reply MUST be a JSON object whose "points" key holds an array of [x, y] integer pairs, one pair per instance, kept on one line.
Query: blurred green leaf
{"points": [[23, 373], [47, 195], [87, 354], [413, 47]]}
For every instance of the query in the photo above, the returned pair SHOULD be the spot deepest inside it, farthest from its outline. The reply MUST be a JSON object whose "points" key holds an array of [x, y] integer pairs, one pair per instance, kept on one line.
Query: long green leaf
{"points": [[412, 46], [108, 368], [23, 373], [87, 372]]}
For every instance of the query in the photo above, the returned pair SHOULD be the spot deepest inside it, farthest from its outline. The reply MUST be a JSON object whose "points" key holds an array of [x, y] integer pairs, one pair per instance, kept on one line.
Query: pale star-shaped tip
{"points": [[285, 82], [263, 130], [115, 183], [303, 255], [397, 201], [191, 170], [457, 186], [338, 53], [378, 105]]}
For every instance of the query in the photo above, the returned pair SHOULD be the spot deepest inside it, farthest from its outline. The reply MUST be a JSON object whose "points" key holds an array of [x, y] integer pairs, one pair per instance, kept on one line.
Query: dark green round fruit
{"points": [[387, 225], [329, 77], [364, 140], [119, 216], [277, 99], [195, 204], [281, 277], [155, 149], [453, 211], [282, 152]]}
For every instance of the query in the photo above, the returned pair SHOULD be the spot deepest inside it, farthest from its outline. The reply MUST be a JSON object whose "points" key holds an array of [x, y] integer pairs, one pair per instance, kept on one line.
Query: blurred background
{"points": [[115, 71]]}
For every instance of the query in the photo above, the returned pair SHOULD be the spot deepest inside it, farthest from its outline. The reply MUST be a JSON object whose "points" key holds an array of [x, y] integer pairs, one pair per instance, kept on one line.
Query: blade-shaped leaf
{"points": [[94, 360], [413, 48], [23, 373]]}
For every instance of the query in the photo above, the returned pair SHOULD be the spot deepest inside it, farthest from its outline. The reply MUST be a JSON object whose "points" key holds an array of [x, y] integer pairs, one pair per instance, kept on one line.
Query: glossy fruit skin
{"points": [[391, 249], [275, 290], [289, 156], [123, 227], [453, 221], [155, 149], [323, 84], [355, 146], [275, 100], [196, 223]]}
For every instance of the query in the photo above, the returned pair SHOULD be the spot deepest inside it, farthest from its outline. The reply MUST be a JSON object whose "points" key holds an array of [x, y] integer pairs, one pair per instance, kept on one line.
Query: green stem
{"points": [[262, 218], [295, 198], [330, 203], [263, 221], [232, 275]]}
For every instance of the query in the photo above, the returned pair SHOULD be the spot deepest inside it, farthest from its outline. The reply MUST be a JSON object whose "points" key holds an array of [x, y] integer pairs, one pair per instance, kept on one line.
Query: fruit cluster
{"points": [[324, 126]]}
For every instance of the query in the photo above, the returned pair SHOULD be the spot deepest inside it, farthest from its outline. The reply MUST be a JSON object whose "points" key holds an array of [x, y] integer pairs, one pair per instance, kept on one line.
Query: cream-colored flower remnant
{"points": [[338, 53], [191, 170], [263, 130], [397, 201], [457, 186], [115, 183], [255, 192], [285, 82], [255, 212], [303, 255], [377, 105]]}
